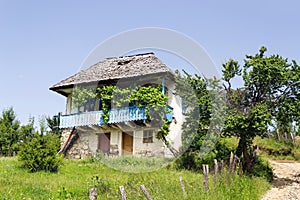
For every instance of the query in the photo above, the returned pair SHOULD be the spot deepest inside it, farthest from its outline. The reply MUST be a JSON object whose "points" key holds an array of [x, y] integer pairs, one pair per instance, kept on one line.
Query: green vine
{"points": [[81, 96]]}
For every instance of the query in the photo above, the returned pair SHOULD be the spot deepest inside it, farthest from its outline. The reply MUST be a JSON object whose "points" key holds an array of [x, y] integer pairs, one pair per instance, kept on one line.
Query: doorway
{"points": [[104, 142], [127, 143]]}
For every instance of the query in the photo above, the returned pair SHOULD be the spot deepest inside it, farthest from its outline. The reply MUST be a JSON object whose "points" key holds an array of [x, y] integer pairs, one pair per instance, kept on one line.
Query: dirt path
{"points": [[286, 184]]}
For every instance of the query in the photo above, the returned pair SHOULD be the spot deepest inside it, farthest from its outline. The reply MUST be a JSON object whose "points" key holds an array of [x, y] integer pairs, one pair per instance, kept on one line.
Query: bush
{"points": [[40, 153], [221, 151], [263, 169], [296, 154]]}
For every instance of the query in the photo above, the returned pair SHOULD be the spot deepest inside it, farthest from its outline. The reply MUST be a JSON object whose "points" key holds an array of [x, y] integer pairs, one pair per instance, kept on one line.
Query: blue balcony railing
{"points": [[80, 119], [126, 114], [119, 115]]}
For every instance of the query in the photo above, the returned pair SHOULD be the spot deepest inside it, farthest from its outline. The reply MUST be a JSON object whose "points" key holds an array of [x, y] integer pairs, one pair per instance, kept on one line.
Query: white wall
{"points": [[175, 127], [155, 148]]}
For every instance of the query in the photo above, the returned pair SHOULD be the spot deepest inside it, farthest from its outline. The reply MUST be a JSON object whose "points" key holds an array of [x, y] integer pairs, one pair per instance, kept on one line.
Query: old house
{"points": [[127, 130]]}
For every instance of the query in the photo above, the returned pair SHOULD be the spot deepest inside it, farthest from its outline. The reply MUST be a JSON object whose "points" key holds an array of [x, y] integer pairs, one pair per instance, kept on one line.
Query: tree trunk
{"points": [[247, 160], [243, 149], [172, 149]]}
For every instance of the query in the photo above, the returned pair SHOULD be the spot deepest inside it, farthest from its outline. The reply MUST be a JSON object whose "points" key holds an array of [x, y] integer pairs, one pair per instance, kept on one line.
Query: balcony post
{"points": [[163, 85]]}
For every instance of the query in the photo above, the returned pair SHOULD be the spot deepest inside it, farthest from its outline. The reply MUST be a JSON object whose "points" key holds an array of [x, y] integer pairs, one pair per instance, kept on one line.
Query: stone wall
{"points": [[80, 148]]}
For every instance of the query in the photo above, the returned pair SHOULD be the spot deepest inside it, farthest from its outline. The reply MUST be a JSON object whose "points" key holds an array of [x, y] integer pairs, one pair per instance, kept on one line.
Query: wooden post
{"points": [[236, 159], [222, 165], [241, 168], [216, 167], [123, 193], [182, 186], [205, 172], [93, 194], [147, 195], [231, 162]]}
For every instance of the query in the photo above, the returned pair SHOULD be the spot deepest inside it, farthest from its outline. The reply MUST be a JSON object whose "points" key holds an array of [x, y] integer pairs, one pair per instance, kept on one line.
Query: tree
{"points": [[26, 131], [270, 93], [53, 124], [40, 153], [203, 118], [9, 132], [12, 134]]}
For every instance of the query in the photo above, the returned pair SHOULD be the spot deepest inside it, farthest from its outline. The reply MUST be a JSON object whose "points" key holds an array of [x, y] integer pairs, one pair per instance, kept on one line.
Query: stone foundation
{"points": [[80, 148]]}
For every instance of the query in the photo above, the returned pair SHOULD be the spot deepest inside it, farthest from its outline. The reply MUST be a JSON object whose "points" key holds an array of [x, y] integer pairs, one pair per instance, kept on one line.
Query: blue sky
{"points": [[43, 42]]}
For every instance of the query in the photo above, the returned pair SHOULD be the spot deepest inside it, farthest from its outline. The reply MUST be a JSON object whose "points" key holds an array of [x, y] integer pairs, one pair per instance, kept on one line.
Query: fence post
{"points": [[216, 167], [182, 186], [241, 168], [147, 195], [236, 159], [123, 193], [93, 194], [205, 172], [231, 162], [222, 165]]}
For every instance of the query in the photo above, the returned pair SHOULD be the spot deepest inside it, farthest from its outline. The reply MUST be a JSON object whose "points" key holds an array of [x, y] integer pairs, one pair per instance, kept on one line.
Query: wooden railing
{"points": [[119, 115], [80, 119], [126, 114]]}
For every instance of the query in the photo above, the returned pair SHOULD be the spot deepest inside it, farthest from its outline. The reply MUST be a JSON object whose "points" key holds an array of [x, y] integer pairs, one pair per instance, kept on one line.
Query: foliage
{"points": [[273, 147], [278, 149], [270, 93], [203, 119], [296, 153], [39, 153], [263, 169], [12, 134], [75, 178], [53, 124], [196, 96], [9, 127], [81, 96]]}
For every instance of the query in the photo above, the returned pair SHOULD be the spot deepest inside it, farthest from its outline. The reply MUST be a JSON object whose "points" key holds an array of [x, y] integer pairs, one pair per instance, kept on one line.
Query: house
{"points": [[127, 131]]}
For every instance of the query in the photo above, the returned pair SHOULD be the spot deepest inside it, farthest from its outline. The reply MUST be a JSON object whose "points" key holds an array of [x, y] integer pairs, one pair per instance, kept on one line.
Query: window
{"points": [[90, 105], [148, 136]]}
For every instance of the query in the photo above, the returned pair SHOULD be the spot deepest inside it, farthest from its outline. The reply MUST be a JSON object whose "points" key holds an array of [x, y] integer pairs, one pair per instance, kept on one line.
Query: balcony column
{"points": [[163, 85]]}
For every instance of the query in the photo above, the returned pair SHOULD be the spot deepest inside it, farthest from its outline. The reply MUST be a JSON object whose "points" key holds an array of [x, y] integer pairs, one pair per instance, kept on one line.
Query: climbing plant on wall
{"points": [[81, 96]]}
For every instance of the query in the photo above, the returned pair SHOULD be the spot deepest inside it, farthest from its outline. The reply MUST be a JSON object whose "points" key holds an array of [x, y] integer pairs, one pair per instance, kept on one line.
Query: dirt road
{"points": [[286, 184]]}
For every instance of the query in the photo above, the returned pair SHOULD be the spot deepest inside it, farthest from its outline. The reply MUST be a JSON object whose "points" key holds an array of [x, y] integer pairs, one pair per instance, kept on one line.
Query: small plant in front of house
{"points": [[40, 153], [63, 193]]}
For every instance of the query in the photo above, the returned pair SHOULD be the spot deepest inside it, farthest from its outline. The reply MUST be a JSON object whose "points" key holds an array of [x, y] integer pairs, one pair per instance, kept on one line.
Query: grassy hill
{"points": [[75, 178]]}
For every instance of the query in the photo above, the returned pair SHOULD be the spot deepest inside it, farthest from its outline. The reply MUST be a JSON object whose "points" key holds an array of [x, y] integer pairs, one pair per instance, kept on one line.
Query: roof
{"points": [[116, 68]]}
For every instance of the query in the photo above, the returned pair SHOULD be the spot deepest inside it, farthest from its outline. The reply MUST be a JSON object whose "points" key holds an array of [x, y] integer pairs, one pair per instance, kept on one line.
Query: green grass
{"points": [[75, 178], [283, 149]]}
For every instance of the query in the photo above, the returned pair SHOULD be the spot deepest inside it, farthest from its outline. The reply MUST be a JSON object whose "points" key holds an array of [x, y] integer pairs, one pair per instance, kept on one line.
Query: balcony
{"points": [[127, 114]]}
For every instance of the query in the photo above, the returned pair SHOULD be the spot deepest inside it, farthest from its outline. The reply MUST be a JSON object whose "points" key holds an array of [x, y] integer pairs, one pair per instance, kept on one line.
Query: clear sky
{"points": [[43, 42]]}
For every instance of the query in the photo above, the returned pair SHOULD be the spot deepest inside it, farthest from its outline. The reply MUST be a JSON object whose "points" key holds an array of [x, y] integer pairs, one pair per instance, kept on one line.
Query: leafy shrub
{"points": [[221, 151], [296, 154], [263, 169], [40, 153]]}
